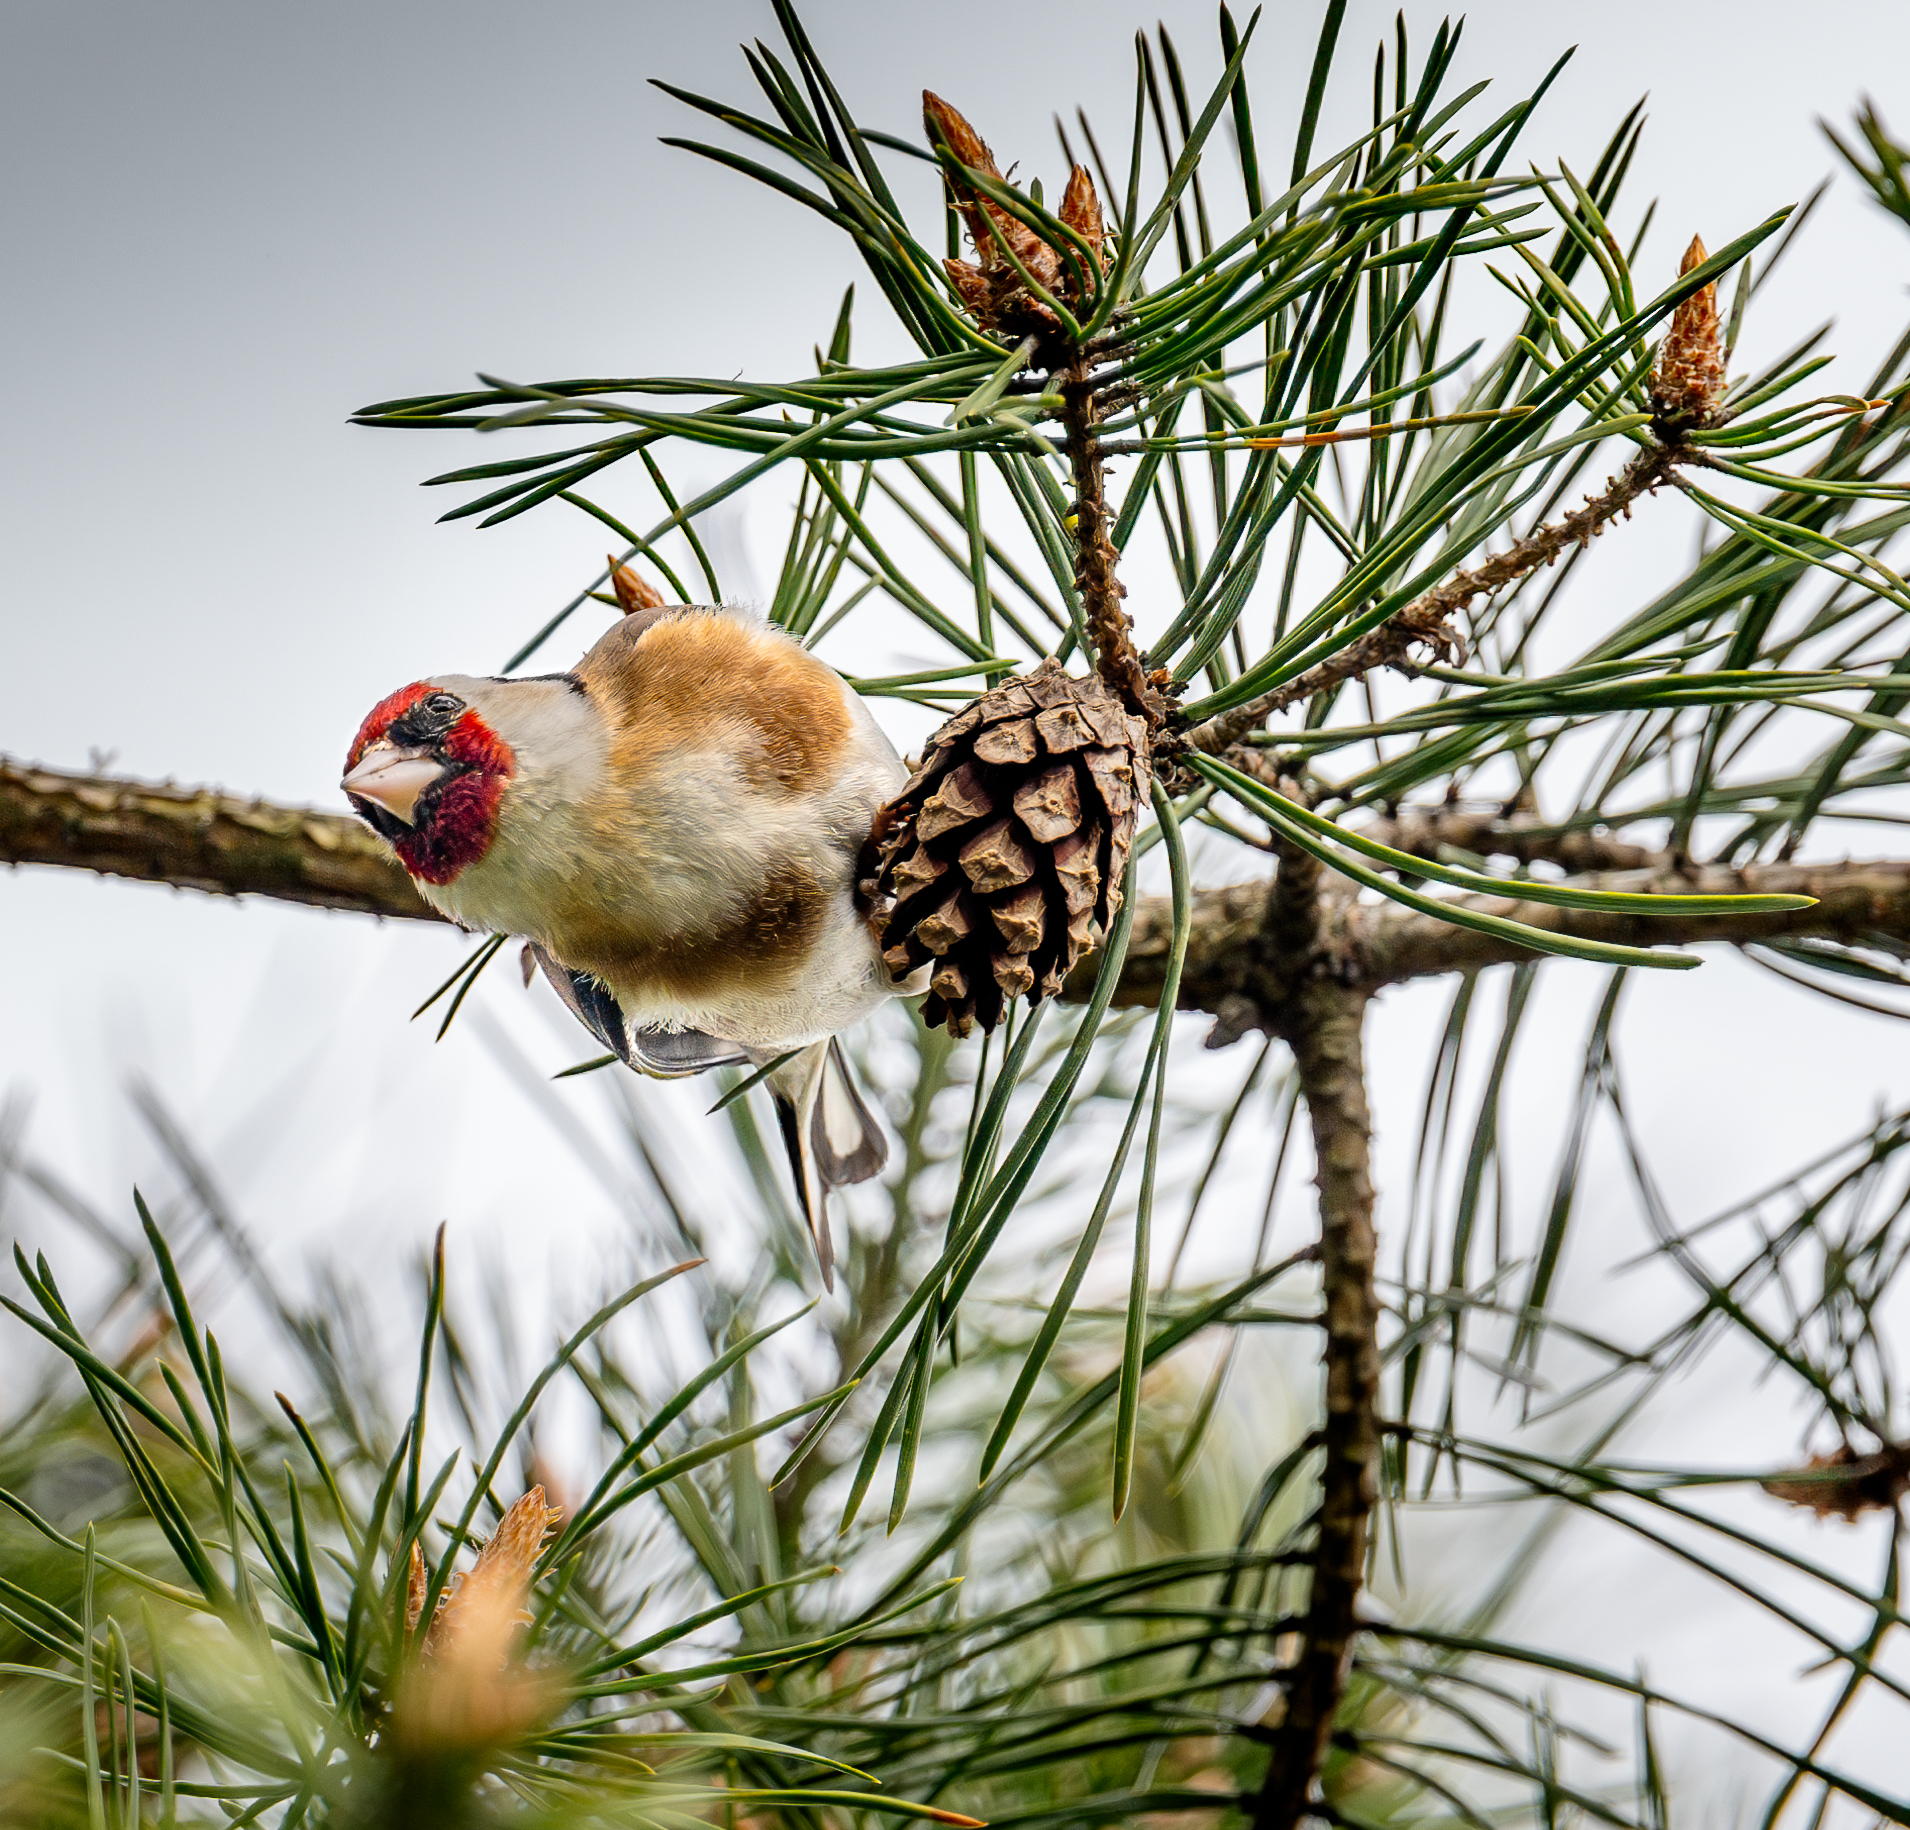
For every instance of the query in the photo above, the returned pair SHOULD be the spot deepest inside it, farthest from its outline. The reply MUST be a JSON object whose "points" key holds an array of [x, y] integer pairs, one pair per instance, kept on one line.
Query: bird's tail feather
{"points": [[831, 1135]]}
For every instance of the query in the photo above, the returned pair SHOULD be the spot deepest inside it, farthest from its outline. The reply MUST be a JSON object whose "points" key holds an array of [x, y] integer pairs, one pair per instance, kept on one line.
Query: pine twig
{"points": [[1426, 623], [197, 838], [1109, 627]]}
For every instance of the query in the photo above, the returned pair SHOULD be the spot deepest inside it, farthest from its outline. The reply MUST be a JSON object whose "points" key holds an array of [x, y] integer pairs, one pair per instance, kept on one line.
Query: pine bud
{"points": [[992, 287], [1846, 1485], [1081, 211], [1687, 386], [463, 1693], [634, 592]]}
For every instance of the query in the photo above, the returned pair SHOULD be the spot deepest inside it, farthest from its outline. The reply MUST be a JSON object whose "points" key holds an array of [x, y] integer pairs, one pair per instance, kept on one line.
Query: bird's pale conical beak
{"points": [[394, 780]]}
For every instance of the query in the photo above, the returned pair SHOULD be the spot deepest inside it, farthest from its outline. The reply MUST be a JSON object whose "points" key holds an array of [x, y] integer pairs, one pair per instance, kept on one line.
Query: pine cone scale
{"points": [[1113, 772], [995, 859], [919, 871], [1023, 920], [1077, 866], [1014, 977], [953, 921], [1050, 805], [1063, 728], [960, 800], [1014, 742]]}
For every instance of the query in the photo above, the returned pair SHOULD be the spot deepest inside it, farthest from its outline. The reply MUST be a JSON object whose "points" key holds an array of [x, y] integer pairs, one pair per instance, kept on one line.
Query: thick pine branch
{"points": [[1321, 1019], [1232, 971], [194, 838], [199, 839], [1323, 1027]]}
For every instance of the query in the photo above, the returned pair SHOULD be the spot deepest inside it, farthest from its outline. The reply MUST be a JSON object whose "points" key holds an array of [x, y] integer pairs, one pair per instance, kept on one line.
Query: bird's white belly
{"points": [[842, 981]]}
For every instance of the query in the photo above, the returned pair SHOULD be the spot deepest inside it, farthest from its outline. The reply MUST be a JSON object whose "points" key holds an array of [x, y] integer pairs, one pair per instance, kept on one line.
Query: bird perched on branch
{"points": [[675, 827]]}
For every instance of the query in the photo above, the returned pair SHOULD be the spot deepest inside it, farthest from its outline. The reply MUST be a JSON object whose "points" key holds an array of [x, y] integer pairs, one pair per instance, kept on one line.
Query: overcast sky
{"points": [[225, 226]]}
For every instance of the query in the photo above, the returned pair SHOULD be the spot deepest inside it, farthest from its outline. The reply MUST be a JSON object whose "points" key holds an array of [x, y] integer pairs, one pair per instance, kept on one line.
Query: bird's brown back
{"points": [[674, 682]]}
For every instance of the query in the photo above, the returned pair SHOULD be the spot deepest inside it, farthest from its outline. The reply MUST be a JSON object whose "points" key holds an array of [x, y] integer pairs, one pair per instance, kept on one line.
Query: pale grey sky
{"points": [[227, 225]]}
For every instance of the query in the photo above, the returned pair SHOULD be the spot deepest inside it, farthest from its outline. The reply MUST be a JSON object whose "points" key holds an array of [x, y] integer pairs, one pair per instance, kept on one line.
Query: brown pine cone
{"points": [[1005, 851]]}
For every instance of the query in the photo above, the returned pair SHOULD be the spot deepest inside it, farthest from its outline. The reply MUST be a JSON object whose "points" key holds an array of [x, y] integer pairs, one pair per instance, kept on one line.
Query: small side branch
{"points": [[1857, 903], [1426, 832], [1426, 623], [1324, 1032]]}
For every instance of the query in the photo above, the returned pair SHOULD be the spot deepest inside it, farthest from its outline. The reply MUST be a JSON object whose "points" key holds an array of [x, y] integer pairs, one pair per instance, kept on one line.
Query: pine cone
{"points": [[1006, 848], [1687, 385]]}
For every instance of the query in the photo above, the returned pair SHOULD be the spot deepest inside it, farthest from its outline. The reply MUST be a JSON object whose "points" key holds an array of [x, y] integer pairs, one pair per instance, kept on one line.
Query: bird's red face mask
{"points": [[427, 773]]}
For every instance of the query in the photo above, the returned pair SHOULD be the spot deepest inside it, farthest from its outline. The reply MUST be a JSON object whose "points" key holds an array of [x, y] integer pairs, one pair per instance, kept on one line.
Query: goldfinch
{"points": [[675, 826]]}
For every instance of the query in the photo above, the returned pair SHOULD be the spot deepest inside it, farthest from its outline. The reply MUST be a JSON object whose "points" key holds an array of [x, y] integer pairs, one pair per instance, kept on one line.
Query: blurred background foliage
{"points": [[1005, 1652]]}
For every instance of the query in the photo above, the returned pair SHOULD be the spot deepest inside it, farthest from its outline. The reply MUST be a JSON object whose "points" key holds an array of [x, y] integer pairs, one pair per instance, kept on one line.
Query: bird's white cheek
{"points": [[444, 897], [504, 892]]}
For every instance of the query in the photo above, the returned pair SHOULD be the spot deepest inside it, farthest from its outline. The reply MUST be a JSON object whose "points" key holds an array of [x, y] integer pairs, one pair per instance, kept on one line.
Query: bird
{"points": [[676, 827]]}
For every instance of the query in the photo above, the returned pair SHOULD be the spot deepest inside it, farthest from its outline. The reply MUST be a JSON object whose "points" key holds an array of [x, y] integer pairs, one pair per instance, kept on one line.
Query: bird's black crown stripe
{"points": [[570, 680]]}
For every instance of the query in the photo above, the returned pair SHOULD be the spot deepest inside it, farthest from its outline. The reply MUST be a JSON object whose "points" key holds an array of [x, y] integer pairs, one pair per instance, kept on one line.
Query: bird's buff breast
{"points": [[790, 961], [713, 909]]}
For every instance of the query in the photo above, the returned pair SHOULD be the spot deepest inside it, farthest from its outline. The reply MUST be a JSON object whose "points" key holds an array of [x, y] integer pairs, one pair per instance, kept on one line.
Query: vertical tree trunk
{"points": [[1324, 1031]]}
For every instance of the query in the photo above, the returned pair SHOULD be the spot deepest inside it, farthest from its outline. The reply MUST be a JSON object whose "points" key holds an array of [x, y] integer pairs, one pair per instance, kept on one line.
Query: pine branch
{"points": [[198, 839], [1321, 1019], [1426, 623], [1427, 831], [194, 838], [1116, 658], [1857, 902], [1230, 972]]}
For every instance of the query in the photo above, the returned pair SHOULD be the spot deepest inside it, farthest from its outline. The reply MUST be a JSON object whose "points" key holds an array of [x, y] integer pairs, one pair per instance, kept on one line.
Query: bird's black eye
{"points": [[428, 720]]}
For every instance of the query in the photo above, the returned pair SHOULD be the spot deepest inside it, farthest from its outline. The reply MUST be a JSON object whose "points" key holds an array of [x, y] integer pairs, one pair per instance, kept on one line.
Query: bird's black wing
{"points": [[665, 1054]]}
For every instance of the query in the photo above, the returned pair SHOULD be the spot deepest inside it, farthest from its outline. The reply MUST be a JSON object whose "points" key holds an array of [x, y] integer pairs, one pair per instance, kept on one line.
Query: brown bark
{"points": [[198, 839], [1323, 1028], [1426, 831], [1320, 1018], [1854, 901], [1116, 658], [1373, 945]]}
